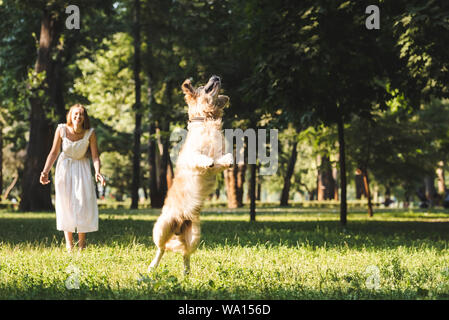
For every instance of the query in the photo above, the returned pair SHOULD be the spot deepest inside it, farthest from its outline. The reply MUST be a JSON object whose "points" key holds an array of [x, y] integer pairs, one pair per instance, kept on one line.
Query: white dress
{"points": [[75, 197]]}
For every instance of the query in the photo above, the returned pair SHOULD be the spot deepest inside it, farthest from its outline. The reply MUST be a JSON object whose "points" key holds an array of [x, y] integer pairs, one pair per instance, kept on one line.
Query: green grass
{"points": [[289, 253]]}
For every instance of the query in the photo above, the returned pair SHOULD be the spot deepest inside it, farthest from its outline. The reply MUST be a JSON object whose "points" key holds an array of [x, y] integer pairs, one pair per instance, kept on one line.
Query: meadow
{"points": [[288, 253]]}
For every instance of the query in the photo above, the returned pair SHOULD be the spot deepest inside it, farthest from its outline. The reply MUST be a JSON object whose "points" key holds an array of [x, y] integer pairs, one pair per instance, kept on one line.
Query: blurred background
{"points": [[362, 114]]}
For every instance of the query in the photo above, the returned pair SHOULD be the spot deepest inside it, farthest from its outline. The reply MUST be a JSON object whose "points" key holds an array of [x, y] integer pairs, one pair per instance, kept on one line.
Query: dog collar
{"points": [[197, 119]]}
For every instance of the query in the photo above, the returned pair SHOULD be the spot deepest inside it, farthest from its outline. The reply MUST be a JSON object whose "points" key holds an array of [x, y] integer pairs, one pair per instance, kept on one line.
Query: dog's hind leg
{"points": [[162, 232], [191, 238], [156, 260], [186, 264]]}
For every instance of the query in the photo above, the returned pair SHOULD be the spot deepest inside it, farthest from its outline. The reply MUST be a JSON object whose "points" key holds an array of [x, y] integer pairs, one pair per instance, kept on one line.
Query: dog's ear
{"points": [[188, 89], [222, 101]]}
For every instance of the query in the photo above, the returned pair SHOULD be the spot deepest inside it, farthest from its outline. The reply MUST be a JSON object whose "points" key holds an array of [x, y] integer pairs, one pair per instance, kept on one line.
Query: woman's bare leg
{"points": [[68, 240], [82, 240]]}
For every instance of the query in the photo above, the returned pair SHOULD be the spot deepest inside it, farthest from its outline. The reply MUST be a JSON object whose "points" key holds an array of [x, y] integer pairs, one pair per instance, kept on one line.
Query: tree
{"points": [[137, 108], [421, 31], [117, 168], [2, 124], [163, 62], [34, 196], [46, 83], [400, 146], [106, 84], [325, 180], [360, 150], [308, 65], [288, 175]]}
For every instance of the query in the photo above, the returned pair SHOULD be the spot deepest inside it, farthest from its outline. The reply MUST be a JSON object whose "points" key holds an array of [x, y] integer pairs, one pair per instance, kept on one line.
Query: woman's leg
{"points": [[68, 240], [81, 240]]}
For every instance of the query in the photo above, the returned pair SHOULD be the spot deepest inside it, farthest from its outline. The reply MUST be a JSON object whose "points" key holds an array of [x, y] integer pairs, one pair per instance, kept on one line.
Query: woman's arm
{"points": [[54, 152], [96, 158]]}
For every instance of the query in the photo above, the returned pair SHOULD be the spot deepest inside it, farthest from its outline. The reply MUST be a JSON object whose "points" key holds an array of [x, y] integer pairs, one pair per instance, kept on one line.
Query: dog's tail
{"points": [[176, 244], [186, 241]]}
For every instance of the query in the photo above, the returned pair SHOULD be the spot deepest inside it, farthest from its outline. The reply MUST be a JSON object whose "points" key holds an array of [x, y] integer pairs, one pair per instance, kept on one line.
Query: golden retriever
{"points": [[200, 159]]}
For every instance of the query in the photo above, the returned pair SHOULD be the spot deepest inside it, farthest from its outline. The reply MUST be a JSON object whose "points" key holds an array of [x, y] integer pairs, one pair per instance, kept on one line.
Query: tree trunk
{"points": [[155, 198], [56, 89], [165, 170], [319, 185], [440, 176], [240, 170], [330, 182], [388, 200], [430, 190], [231, 187], [288, 175], [259, 184], [1, 159], [335, 177], [325, 180], [137, 109], [159, 164], [163, 186], [36, 197], [376, 194], [217, 193], [8, 190], [239, 175], [359, 185], [312, 194], [160, 167], [367, 191], [342, 159], [252, 192], [103, 192], [164, 163]]}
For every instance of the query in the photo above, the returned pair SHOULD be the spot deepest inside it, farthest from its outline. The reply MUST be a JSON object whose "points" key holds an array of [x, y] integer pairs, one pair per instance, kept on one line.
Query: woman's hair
{"points": [[86, 121]]}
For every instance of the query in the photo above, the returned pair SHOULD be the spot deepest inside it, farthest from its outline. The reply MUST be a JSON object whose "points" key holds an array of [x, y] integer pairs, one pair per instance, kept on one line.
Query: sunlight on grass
{"points": [[299, 254]]}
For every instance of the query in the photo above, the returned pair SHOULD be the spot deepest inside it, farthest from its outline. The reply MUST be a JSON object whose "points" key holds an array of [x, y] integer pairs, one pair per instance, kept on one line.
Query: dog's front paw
{"points": [[227, 160], [205, 162]]}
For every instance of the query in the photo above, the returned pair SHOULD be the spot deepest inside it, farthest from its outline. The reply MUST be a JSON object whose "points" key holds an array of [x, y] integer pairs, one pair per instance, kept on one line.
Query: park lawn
{"points": [[288, 253]]}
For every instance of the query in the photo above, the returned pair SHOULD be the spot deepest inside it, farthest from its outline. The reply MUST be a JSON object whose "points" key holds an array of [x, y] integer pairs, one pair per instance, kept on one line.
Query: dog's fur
{"points": [[200, 159]]}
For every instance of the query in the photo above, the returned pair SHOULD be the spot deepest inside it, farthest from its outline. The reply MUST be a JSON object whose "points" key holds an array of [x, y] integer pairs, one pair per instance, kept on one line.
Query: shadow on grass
{"points": [[324, 233], [182, 290]]}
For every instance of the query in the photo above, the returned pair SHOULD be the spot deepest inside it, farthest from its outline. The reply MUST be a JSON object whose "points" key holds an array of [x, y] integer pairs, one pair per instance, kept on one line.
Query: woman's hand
{"points": [[101, 178], [44, 178]]}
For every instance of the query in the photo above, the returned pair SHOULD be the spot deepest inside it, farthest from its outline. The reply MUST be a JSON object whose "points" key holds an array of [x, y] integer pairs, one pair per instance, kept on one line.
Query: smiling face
{"points": [[205, 101], [77, 117]]}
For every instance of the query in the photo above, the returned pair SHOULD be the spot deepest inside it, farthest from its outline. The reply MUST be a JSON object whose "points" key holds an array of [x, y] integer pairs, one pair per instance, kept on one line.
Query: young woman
{"points": [[75, 198]]}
